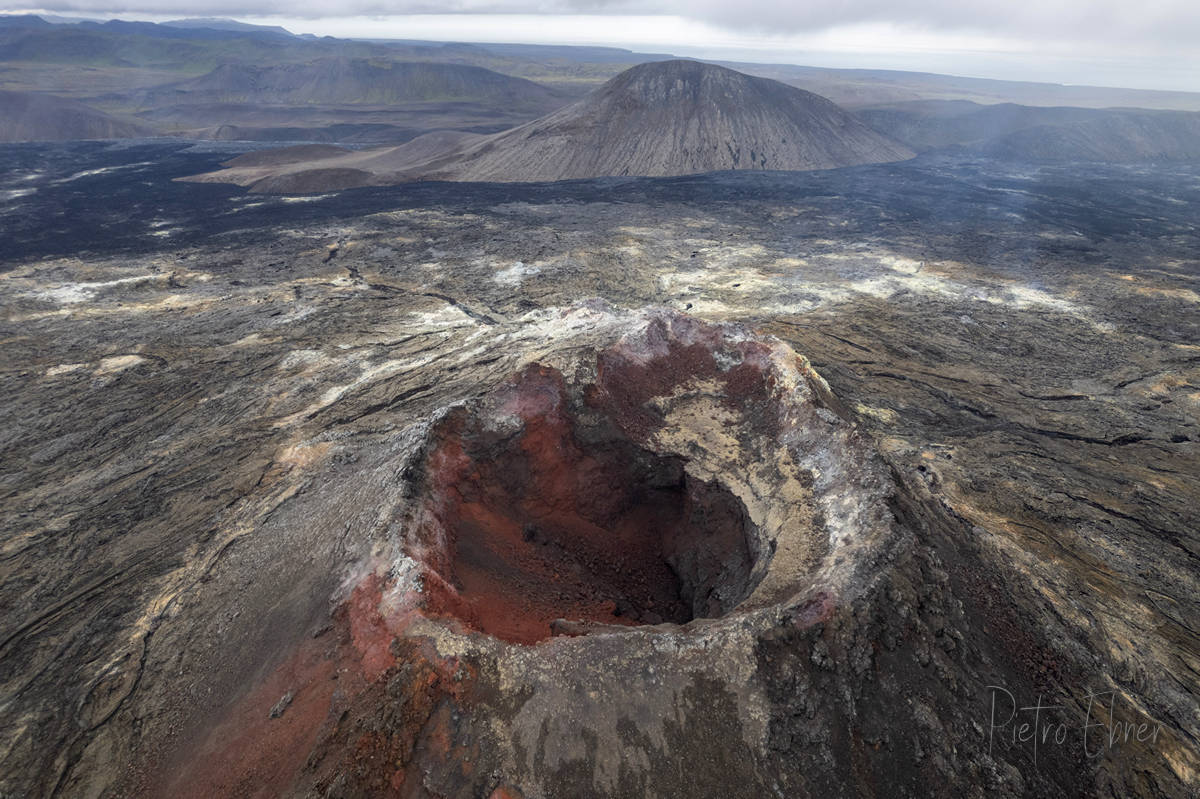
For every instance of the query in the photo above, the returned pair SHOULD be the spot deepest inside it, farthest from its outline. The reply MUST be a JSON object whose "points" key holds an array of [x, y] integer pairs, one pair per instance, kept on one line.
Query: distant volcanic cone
{"points": [[677, 118], [657, 119]]}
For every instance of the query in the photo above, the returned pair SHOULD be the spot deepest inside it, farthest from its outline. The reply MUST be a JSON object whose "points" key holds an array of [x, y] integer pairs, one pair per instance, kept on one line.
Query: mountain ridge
{"points": [[354, 81]]}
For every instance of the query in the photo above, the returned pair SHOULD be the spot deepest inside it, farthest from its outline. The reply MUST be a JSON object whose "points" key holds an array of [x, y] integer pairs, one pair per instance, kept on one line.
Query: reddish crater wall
{"points": [[544, 510]]}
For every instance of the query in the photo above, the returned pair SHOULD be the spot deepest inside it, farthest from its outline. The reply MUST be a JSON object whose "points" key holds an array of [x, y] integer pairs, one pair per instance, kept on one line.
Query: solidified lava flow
{"points": [[547, 517]]}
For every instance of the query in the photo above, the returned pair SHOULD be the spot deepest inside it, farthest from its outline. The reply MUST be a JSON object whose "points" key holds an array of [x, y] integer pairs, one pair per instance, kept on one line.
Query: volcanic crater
{"points": [[669, 477]]}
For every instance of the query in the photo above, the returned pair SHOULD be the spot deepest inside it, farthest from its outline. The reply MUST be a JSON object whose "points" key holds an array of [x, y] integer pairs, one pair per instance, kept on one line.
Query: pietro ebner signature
{"points": [[1038, 724]]}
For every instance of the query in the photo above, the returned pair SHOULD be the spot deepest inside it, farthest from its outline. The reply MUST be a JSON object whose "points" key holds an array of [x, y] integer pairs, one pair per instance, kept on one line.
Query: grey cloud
{"points": [[1106, 20]]}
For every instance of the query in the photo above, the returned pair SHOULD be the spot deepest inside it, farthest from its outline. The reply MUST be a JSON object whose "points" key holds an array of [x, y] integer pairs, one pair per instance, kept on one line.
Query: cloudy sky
{"points": [[1142, 44]]}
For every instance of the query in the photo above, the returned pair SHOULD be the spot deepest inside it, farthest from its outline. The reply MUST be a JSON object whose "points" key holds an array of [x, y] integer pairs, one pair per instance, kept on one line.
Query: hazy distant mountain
{"points": [[677, 118], [23, 21], [935, 124], [345, 81], [1019, 132], [146, 45], [25, 116], [91, 45], [663, 118], [56, 19], [192, 46], [182, 32], [226, 25], [1115, 138], [573, 53], [861, 88]]}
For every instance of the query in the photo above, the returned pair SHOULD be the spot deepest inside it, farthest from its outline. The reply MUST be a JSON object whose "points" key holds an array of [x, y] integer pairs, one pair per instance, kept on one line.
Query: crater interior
{"points": [[550, 516]]}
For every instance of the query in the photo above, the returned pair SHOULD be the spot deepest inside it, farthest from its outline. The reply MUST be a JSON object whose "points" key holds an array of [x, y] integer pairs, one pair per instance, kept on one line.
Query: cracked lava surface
{"points": [[261, 503]]}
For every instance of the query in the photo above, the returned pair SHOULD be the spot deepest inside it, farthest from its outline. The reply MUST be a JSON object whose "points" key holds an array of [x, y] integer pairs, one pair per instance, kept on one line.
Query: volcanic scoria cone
{"points": [[656, 560]]}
